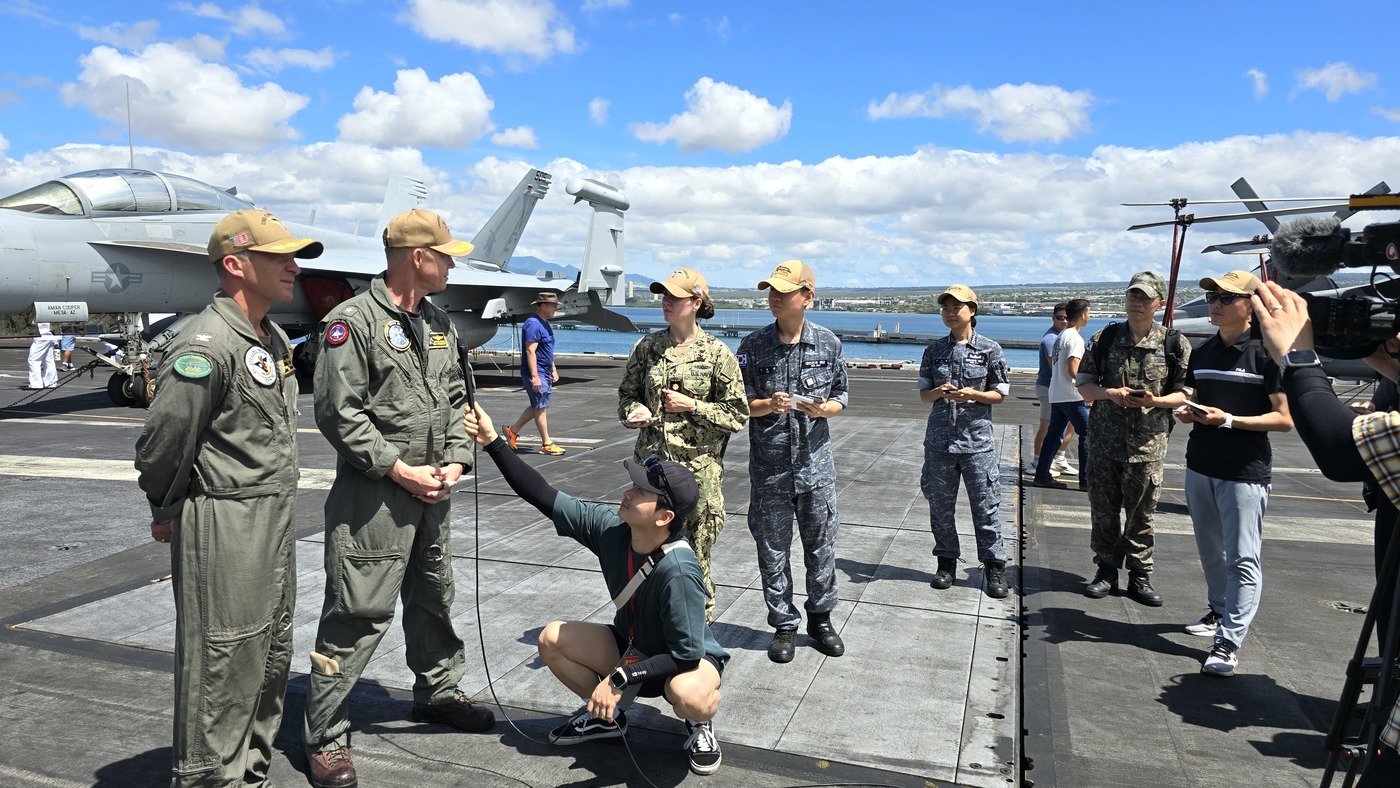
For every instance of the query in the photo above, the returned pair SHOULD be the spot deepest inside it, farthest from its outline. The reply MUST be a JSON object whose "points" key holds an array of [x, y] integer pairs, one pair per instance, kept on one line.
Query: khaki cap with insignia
{"points": [[1149, 283], [420, 229], [684, 283], [790, 275], [257, 230], [961, 292], [1237, 282]]}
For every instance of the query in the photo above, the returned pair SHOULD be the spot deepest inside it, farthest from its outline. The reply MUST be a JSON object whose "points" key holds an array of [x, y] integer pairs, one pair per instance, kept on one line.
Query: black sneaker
{"points": [[703, 748], [1207, 625], [828, 640], [995, 572], [584, 727], [1104, 583], [947, 569], [1140, 588], [783, 646]]}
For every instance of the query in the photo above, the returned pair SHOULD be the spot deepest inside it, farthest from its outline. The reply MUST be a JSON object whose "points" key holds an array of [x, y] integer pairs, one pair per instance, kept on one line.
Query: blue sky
{"points": [[884, 143]]}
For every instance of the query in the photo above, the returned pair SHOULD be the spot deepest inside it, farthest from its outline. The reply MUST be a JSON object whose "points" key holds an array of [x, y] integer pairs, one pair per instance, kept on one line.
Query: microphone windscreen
{"points": [[1309, 247]]}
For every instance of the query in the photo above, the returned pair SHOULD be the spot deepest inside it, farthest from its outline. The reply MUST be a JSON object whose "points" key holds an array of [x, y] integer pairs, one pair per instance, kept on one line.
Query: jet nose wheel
{"points": [[126, 391]]}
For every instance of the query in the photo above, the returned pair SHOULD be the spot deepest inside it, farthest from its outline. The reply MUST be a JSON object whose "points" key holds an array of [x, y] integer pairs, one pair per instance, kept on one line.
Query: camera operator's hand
{"points": [[1283, 320], [1383, 360]]}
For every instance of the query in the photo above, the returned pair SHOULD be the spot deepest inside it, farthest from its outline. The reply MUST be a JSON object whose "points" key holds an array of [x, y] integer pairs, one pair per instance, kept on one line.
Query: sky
{"points": [[894, 144]]}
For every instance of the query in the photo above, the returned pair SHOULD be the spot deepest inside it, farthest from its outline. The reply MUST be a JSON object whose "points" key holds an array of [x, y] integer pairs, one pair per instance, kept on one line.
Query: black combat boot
{"points": [[995, 572], [1104, 583], [1140, 588], [828, 640], [781, 649], [943, 578]]}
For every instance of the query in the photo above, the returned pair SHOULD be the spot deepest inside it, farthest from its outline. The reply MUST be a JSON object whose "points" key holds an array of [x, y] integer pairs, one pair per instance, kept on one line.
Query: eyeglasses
{"points": [[1223, 299], [656, 476], [1062, 317]]}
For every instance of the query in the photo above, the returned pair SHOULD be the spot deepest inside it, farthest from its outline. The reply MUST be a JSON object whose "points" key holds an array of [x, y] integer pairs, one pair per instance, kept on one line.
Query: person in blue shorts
{"points": [[538, 373]]}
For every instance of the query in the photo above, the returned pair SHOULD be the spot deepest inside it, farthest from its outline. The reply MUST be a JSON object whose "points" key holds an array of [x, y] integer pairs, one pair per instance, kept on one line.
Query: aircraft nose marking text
{"points": [[116, 278]]}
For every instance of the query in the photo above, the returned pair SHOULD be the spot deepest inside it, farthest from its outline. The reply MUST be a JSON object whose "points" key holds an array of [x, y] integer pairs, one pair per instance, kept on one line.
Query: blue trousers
{"points": [[939, 482], [1228, 518], [770, 521], [1061, 414]]}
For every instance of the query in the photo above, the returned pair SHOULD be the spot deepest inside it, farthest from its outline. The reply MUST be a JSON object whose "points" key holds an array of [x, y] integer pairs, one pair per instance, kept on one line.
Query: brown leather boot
{"points": [[332, 768], [460, 713]]}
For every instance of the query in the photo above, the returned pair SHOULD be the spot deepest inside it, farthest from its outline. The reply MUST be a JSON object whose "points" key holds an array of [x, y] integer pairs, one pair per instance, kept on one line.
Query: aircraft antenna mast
{"points": [[130, 150]]}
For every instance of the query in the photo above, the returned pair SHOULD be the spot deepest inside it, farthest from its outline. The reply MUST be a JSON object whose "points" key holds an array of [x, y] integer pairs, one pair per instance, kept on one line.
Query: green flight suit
{"points": [[219, 455], [382, 394], [706, 370]]}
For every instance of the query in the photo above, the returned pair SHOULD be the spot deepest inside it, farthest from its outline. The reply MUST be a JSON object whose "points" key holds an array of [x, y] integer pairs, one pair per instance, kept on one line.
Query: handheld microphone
{"points": [[1307, 248], [464, 359]]}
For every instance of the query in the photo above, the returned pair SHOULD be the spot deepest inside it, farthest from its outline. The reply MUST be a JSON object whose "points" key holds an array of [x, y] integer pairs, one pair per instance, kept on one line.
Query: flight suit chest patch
{"points": [[437, 341], [260, 365], [395, 335]]}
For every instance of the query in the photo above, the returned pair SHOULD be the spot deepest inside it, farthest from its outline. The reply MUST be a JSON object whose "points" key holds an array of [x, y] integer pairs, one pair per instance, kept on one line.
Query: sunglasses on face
{"points": [[1061, 317], [656, 477], [1223, 299]]}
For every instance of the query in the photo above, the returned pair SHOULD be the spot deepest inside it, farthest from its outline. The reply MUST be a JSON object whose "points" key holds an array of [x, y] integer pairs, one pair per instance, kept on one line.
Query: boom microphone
{"points": [[1310, 247]]}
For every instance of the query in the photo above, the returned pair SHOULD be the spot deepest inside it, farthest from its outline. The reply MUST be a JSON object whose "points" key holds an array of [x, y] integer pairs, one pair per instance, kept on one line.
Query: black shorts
{"points": [[654, 688]]}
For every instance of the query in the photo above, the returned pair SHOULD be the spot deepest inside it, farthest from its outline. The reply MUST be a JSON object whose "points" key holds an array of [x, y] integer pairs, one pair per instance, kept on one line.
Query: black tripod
{"points": [[1358, 750]]}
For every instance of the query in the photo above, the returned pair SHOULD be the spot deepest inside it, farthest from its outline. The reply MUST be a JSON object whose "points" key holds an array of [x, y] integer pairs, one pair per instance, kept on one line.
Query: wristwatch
{"points": [[1229, 422], [618, 679], [1301, 358]]}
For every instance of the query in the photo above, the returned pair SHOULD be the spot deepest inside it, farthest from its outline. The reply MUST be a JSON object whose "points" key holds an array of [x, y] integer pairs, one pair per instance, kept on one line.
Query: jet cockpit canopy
{"points": [[122, 191]]}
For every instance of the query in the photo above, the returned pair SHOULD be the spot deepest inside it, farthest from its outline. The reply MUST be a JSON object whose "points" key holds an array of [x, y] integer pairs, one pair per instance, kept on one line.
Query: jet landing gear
{"points": [[127, 391]]}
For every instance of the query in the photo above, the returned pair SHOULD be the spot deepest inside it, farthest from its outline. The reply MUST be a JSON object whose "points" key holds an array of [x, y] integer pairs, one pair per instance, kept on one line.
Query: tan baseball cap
{"points": [[790, 275], [961, 292], [420, 229], [1237, 282], [1149, 283], [257, 230], [684, 283]]}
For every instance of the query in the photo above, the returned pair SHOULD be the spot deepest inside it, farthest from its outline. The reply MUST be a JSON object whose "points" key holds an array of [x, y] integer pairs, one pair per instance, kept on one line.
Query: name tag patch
{"points": [[437, 341]]}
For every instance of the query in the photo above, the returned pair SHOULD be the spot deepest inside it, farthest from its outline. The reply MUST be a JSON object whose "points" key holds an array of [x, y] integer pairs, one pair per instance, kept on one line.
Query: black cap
{"points": [[654, 475]]}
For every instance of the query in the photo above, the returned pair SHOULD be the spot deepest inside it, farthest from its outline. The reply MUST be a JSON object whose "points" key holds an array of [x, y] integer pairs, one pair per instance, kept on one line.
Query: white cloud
{"points": [[721, 116], [720, 29], [126, 35], [532, 28], [4, 146], [1015, 113], [1261, 83], [204, 47], [1336, 80], [517, 137], [177, 98], [598, 111], [452, 112], [1389, 113], [278, 59], [248, 20], [590, 6]]}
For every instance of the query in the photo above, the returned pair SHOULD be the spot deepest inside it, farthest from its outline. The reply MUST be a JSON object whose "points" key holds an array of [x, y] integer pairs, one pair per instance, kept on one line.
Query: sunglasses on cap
{"points": [[1223, 299], [656, 476]]}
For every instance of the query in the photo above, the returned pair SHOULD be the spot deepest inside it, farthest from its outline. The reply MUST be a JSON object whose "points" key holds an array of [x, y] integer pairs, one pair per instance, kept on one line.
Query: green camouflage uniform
{"points": [[219, 456], [382, 396], [1127, 445], [707, 370]]}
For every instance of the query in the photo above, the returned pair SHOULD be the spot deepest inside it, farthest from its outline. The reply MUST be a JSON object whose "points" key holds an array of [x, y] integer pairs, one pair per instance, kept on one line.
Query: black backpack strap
{"points": [[1101, 346]]}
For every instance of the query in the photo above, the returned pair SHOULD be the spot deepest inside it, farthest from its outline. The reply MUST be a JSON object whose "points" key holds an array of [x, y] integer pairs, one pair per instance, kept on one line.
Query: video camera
{"points": [[1347, 326]]}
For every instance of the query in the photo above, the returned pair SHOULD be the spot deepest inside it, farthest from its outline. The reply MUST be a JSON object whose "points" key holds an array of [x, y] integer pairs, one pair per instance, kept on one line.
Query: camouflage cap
{"points": [[417, 228], [790, 275], [962, 293], [684, 283], [257, 230], [1149, 283], [1237, 282]]}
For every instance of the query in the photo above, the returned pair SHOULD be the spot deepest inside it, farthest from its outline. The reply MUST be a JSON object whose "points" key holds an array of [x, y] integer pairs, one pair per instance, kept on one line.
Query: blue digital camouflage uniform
{"points": [[1127, 445], [958, 444], [791, 468]]}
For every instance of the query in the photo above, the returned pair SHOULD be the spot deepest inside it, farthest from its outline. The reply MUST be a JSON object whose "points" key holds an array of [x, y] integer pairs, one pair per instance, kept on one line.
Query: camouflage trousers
{"points": [[1129, 488], [939, 482], [235, 583], [703, 525], [771, 512]]}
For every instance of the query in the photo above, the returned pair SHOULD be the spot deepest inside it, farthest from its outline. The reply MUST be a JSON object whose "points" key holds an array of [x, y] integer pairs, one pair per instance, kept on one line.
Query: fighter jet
{"points": [[111, 247]]}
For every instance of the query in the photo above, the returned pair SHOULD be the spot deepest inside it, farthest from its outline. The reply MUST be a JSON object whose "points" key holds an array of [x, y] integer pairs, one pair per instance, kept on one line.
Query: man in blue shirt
{"points": [[538, 373], [658, 644]]}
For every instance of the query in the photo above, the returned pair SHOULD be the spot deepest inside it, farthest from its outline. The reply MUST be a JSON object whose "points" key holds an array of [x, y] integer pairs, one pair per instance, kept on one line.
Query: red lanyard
{"points": [[631, 603]]}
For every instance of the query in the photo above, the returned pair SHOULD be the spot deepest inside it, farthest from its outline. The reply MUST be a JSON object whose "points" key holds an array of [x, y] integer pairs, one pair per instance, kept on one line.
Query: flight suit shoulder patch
{"points": [[193, 366], [337, 333]]}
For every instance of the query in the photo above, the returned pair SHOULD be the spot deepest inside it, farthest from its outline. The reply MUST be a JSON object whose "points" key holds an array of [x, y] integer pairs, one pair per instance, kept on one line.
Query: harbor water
{"points": [[586, 339]]}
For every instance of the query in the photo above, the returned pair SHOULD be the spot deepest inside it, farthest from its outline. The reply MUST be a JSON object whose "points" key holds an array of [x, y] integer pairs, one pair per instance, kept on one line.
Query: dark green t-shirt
{"points": [[670, 604]]}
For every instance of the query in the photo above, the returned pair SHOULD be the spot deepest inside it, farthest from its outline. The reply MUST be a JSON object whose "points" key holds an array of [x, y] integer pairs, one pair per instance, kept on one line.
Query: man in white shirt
{"points": [[1066, 403], [42, 372]]}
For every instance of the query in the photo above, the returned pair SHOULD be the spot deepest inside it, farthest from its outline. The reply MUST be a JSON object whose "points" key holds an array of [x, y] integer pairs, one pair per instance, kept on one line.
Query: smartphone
{"points": [[1138, 393], [1197, 408], [803, 399]]}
